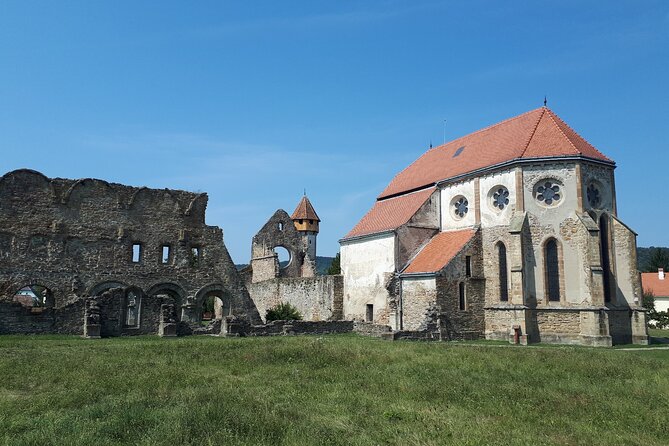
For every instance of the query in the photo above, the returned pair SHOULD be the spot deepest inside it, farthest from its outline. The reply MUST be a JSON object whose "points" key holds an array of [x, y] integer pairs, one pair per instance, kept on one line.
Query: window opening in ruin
{"points": [[283, 256], [132, 302], [503, 278], [605, 255], [369, 316], [136, 252], [463, 296], [195, 253], [165, 257], [280, 226], [214, 308], [552, 271], [34, 296], [468, 266]]}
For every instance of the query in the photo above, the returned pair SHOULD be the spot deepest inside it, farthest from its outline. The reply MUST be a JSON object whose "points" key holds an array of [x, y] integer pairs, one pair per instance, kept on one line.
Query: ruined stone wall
{"points": [[279, 231], [76, 237], [316, 298], [282, 328]]}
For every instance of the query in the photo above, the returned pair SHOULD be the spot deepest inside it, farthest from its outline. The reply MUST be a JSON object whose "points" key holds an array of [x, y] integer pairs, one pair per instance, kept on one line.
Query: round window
{"points": [[460, 206], [549, 192], [594, 195], [499, 197]]}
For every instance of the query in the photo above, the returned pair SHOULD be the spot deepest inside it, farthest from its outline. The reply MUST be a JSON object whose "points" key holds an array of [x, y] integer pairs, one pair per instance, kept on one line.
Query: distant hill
{"points": [[322, 265], [643, 257]]}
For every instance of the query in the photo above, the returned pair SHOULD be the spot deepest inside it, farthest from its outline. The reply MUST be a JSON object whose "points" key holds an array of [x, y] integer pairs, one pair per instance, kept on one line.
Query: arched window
{"points": [[552, 270], [503, 278], [463, 296], [605, 255]]}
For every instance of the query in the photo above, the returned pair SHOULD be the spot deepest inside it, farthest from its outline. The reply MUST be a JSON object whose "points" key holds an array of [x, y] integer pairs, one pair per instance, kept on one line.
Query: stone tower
{"points": [[306, 222]]}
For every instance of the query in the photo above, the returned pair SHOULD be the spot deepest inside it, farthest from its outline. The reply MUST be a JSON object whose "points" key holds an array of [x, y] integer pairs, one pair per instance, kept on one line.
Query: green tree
{"points": [[335, 266], [648, 300], [659, 258], [283, 312]]}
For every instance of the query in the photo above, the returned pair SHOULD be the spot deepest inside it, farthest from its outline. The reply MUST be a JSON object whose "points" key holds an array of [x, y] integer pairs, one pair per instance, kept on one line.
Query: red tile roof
{"points": [[439, 251], [651, 282], [304, 211], [391, 213], [535, 134]]}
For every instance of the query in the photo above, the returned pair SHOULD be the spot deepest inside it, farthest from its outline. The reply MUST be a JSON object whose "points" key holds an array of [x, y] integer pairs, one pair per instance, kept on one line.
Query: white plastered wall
{"points": [[492, 216], [365, 265], [449, 221]]}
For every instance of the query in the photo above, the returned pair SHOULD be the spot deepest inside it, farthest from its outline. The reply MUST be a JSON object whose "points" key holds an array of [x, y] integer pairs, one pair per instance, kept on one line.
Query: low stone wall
{"points": [[234, 327], [370, 329], [17, 319], [316, 298]]}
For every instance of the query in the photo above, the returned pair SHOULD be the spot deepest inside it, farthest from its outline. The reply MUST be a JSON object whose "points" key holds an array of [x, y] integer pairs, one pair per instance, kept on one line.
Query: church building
{"points": [[508, 233]]}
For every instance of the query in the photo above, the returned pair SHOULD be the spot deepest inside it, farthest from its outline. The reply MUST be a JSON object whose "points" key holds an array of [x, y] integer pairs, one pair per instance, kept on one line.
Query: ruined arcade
{"points": [[135, 249]]}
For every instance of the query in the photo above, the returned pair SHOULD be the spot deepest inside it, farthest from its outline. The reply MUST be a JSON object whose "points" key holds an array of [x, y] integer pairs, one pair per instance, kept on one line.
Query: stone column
{"points": [[92, 320], [168, 322]]}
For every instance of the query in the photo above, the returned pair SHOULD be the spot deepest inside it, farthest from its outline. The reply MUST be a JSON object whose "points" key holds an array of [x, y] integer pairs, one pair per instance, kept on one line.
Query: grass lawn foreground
{"points": [[338, 390]]}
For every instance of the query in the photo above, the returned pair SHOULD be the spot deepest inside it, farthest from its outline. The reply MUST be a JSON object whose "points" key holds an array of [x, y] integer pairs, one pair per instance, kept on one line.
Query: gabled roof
{"points": [[439, 251], [390, 214], [304, 211], [652, 282], [536, 134]]}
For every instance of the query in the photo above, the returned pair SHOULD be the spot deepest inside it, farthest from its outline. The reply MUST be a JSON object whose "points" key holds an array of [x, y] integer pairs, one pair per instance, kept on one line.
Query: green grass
{"points": [[331, 390]]}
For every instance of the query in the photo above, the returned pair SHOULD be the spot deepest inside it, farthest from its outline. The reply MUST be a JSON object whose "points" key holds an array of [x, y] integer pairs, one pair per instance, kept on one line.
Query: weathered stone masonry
{"points": [[79, 238]]}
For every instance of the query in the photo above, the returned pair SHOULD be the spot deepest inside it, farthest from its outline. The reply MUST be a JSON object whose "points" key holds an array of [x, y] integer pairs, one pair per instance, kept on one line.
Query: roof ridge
{"points": [[536, 126], [555, 116], [489, 127], [550, 115]]}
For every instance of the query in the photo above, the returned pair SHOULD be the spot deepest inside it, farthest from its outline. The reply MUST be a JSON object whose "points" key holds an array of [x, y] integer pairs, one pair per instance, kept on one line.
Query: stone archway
{"points": [[174, 291], [214, 299]]}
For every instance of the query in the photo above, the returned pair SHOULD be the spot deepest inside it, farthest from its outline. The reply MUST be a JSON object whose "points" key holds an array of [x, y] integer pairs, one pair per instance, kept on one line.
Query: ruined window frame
{"points": [[195, 256], [140, 252], [170, 255]]}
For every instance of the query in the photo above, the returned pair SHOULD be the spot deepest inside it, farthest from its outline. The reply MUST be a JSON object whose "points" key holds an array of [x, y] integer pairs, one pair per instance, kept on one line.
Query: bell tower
{"points": [[306, 222]]}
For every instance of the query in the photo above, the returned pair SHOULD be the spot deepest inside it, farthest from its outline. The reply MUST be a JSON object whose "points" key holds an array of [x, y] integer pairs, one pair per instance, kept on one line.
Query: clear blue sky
{"points": [[254, 101]]}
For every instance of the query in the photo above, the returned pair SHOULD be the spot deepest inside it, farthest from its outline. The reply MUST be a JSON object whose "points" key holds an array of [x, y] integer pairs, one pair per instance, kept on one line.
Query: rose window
{"points": [[593, 196], [500, 198], [548, 192], [461, 207]]}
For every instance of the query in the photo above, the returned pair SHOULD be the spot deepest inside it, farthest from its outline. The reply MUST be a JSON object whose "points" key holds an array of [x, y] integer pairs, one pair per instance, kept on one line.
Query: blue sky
{"points": [[254, 101]]}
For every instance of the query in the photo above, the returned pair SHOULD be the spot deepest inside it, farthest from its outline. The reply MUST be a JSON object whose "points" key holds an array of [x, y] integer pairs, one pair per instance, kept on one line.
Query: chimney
{"points": [[660, 273]]}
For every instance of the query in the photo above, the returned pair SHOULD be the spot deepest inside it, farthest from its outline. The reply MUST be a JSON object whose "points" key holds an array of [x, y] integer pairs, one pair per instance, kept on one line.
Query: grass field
{"points": [[326, 390]]}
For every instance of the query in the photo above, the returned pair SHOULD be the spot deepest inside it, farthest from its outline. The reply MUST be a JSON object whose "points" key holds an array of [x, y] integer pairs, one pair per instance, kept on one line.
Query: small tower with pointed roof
{"points": [[306, 222]]}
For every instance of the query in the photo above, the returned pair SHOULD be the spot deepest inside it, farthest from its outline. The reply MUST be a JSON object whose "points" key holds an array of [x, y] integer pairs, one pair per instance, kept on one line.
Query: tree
{"points": [[335, 266], [659, 258], [283, 312], [648, 300]]}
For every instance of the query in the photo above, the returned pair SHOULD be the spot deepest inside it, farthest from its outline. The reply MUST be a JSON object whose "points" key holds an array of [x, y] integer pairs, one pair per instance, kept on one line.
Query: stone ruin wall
{"points": [[317, 298], [76, 238]]}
